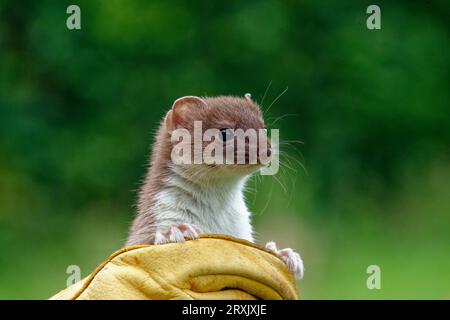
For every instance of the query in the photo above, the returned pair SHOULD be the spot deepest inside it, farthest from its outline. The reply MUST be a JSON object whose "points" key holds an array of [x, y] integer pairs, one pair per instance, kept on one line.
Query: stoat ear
{"points": [[248, 97], [181, 107]]}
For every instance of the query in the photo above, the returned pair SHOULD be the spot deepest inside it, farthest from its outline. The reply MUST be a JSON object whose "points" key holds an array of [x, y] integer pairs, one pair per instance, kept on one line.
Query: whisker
{"points": [[297, 161], [293, 141], [266, 205], [289, 167], [278, 180], [295, 149], [281, 117], [275, 100], [292, 193], [265, 92]]}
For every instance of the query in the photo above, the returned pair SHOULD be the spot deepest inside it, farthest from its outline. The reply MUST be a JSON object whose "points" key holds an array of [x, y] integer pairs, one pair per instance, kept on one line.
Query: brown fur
{"points": [[218, 112]]}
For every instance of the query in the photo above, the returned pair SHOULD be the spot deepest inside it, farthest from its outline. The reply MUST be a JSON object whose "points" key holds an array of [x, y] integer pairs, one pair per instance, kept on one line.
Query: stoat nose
{"points": [[269, 149], [266, 151]]}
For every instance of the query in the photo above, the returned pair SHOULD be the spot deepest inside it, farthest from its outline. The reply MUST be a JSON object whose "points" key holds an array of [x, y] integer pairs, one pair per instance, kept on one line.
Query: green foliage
{"points": [[78, 108]]}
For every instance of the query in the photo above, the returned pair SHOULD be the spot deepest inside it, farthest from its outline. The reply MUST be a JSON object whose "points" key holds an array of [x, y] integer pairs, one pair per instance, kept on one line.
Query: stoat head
{"points": [[202, 128]]}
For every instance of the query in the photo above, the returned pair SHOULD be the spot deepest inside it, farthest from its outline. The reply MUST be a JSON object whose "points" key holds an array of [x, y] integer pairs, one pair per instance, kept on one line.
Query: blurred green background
{"points": [[78, 108]]}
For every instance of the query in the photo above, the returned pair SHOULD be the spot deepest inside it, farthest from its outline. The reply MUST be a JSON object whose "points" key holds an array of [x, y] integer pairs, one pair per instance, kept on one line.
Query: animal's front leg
{"points": [[290, 257], [176, 233]]}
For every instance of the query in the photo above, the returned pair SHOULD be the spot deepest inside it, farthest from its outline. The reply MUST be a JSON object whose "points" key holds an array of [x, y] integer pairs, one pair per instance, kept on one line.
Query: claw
{"points": [[176, 233], [291, 258]]}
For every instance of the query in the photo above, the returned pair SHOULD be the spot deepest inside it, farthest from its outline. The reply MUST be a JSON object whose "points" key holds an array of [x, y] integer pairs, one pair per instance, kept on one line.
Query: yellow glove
{"points": [[211, 267]]}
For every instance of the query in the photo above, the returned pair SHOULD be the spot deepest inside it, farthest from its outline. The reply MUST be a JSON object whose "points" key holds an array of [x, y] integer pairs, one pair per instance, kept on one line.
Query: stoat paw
{"points": [[176, 233], [291, 258]]}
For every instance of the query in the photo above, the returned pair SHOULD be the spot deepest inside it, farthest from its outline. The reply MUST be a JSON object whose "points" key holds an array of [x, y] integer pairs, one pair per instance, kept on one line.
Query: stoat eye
{"points": [[226, 134]]}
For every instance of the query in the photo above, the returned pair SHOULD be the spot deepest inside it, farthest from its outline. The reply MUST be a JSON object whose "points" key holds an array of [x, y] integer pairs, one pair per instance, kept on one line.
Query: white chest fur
{"points": [[216, 209]]}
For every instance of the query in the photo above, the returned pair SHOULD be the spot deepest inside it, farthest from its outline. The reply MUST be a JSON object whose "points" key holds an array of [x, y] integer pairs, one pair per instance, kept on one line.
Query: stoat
{"points": [[181, 200]]}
